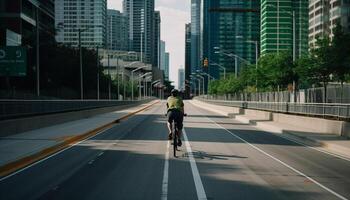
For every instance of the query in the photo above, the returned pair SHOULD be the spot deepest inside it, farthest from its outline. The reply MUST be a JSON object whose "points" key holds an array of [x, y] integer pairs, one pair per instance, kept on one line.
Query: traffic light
{"points": [[205, 62]]}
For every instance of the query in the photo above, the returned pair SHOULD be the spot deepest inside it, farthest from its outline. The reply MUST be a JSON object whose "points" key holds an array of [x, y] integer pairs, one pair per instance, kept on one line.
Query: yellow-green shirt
{"points": [[175, 103]]}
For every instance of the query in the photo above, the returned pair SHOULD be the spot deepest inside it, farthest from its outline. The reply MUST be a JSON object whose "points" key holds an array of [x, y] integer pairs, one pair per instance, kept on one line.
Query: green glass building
{"points": [[277, 26], [230, 26]]}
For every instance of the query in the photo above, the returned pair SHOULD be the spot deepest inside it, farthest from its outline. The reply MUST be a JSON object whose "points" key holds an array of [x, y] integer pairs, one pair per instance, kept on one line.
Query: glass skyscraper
{"points": [[140, 14], [117, 35], [229, 26], [277, 26]]}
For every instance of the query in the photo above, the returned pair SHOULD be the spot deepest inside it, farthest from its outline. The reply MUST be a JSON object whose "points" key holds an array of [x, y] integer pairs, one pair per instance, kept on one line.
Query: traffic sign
{"points": [[13, 61]]}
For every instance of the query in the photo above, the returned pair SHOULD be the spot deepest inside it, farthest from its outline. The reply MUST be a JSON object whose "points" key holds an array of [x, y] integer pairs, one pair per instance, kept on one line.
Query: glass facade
{"points": [[117, 37], [230, 26], [81, 14], [277, 26], [140, 14]]}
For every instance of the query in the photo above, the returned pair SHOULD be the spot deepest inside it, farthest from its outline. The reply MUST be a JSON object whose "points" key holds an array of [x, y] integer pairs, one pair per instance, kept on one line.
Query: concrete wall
{"points": [[14, 126], [317, 125]]}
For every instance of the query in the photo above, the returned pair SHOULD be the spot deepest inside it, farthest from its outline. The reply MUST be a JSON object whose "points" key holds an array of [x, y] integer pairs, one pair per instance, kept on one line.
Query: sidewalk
{"points": [[34, 145], [331, 143]]}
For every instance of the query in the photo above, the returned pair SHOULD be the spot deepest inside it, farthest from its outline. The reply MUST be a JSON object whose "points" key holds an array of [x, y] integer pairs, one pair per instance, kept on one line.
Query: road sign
{"points": [[13, 61]]}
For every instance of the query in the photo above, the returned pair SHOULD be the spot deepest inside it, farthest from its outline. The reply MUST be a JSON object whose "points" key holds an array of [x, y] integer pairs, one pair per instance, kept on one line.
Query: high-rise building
{"points": [[195, 35], [324, 15], [187, 58], [339, 13], [277, 32], [156, 39], [19, 19], [181, 75], [140, 14], [117, 35], [167, 64], [229, 26], [162, 55], [84, 16]]}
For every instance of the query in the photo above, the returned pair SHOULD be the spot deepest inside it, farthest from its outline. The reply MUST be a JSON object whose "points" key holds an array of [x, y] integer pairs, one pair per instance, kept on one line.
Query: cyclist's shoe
{"points": [[170, 136], [179, 143]]}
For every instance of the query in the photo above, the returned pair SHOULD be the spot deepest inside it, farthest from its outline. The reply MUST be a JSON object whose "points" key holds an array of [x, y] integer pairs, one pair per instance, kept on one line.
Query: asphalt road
{"points": [[222, 159]]}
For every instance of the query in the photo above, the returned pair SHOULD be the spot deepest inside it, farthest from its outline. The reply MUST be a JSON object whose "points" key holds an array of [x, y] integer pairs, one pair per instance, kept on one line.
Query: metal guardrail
{"points": [[20, 108], [340, 111]]}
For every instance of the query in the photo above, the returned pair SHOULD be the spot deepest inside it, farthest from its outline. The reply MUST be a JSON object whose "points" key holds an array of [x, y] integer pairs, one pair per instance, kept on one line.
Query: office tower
{"points": [[323, 17], [162, 55], [19, 18], [84, 16], [187, 51], [140, 15], [156, 39], [277, 32], [166, 66], [117, 35], [195, 35], [339, 13], [318, 20], [181, 83], [229, 27]]}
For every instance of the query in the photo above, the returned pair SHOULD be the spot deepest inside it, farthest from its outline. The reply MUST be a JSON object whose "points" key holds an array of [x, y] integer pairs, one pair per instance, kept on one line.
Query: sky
{"points": [[174, 15]]}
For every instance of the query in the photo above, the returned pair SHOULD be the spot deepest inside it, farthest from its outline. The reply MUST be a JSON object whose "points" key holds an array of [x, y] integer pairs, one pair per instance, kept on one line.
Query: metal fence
{"points": [[20, 108], [335, 94], [329, 110]]}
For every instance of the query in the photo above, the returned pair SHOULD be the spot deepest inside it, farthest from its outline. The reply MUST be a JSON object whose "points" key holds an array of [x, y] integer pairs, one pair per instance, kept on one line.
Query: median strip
{"points": [[14, 166]]}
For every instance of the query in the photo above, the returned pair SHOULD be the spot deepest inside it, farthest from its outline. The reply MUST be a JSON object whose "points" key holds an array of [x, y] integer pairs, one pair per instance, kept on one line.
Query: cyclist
{"points": [[175, 107]]}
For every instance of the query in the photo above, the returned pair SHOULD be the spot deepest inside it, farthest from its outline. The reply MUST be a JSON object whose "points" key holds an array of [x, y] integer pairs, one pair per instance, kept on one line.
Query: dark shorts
{"points": [[176, 116]]}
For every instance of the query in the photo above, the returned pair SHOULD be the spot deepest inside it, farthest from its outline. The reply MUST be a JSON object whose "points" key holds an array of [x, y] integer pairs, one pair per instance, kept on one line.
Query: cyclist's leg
{"points": [[170, 116]]}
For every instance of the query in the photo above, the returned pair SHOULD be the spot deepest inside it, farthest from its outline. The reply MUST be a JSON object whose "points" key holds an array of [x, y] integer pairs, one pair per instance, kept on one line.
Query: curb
{"points": [[14, 166]]}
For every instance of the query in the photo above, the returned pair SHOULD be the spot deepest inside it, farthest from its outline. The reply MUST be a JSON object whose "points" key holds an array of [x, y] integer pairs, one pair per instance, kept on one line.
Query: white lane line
{"points": [[290, 139], [281, 162], [166, 174], [196, 177]]}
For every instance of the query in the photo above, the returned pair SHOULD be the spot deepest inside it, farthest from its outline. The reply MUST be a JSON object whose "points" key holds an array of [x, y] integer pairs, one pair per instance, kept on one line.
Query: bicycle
{"points": [[175, 132]]}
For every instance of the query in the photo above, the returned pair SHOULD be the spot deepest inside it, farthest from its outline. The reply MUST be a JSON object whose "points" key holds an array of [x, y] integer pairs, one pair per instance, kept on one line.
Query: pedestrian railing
{"points": [[340, 111]]}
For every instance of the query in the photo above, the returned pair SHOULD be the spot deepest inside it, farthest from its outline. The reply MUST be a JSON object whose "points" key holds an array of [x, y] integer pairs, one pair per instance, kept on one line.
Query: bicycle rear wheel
{"points": [[175, 141]]}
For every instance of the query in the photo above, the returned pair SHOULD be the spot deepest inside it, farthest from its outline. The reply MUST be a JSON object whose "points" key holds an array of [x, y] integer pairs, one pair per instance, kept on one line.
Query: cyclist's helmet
{"points": [[174, 92]]}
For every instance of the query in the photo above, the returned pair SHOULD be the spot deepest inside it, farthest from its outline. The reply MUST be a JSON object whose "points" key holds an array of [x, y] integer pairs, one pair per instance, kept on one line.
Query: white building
{"points": [[324, 15], [84, 16]]}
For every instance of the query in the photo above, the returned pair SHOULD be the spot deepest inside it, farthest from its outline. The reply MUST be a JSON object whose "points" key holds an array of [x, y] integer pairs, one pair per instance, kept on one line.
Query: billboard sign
{"points": [[13, 61]]}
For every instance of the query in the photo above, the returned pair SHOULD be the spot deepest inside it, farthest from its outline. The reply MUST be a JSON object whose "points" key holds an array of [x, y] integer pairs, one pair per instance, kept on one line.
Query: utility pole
{"points": [[37, 53]]}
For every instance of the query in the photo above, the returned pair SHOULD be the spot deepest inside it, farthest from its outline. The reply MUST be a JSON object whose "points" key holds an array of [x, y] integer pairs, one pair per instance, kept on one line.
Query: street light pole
{"points": [[221, 67], [132, 80], [81, 66], [109, 79], [37, 53], [98, 75]]}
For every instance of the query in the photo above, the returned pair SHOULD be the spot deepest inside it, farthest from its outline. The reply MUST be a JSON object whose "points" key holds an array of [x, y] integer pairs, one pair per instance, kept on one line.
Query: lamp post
{"points": [[221, 67], [132, 80], [154, 82], [255, 42], [81, 63], [202, 77], [199, 83], [231, 55]]}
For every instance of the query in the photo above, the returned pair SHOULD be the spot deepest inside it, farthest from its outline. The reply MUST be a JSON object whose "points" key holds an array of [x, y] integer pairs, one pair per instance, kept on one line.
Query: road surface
{"points": [[220, 159]]}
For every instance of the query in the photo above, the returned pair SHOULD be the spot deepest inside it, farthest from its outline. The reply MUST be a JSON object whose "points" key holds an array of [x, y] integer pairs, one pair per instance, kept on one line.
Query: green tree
{"points": [[341, 54], [317, 68]]}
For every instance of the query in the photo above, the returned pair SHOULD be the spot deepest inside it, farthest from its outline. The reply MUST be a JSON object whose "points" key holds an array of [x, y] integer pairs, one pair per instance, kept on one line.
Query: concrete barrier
{"points": [[15, 126], [309, 124]]}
